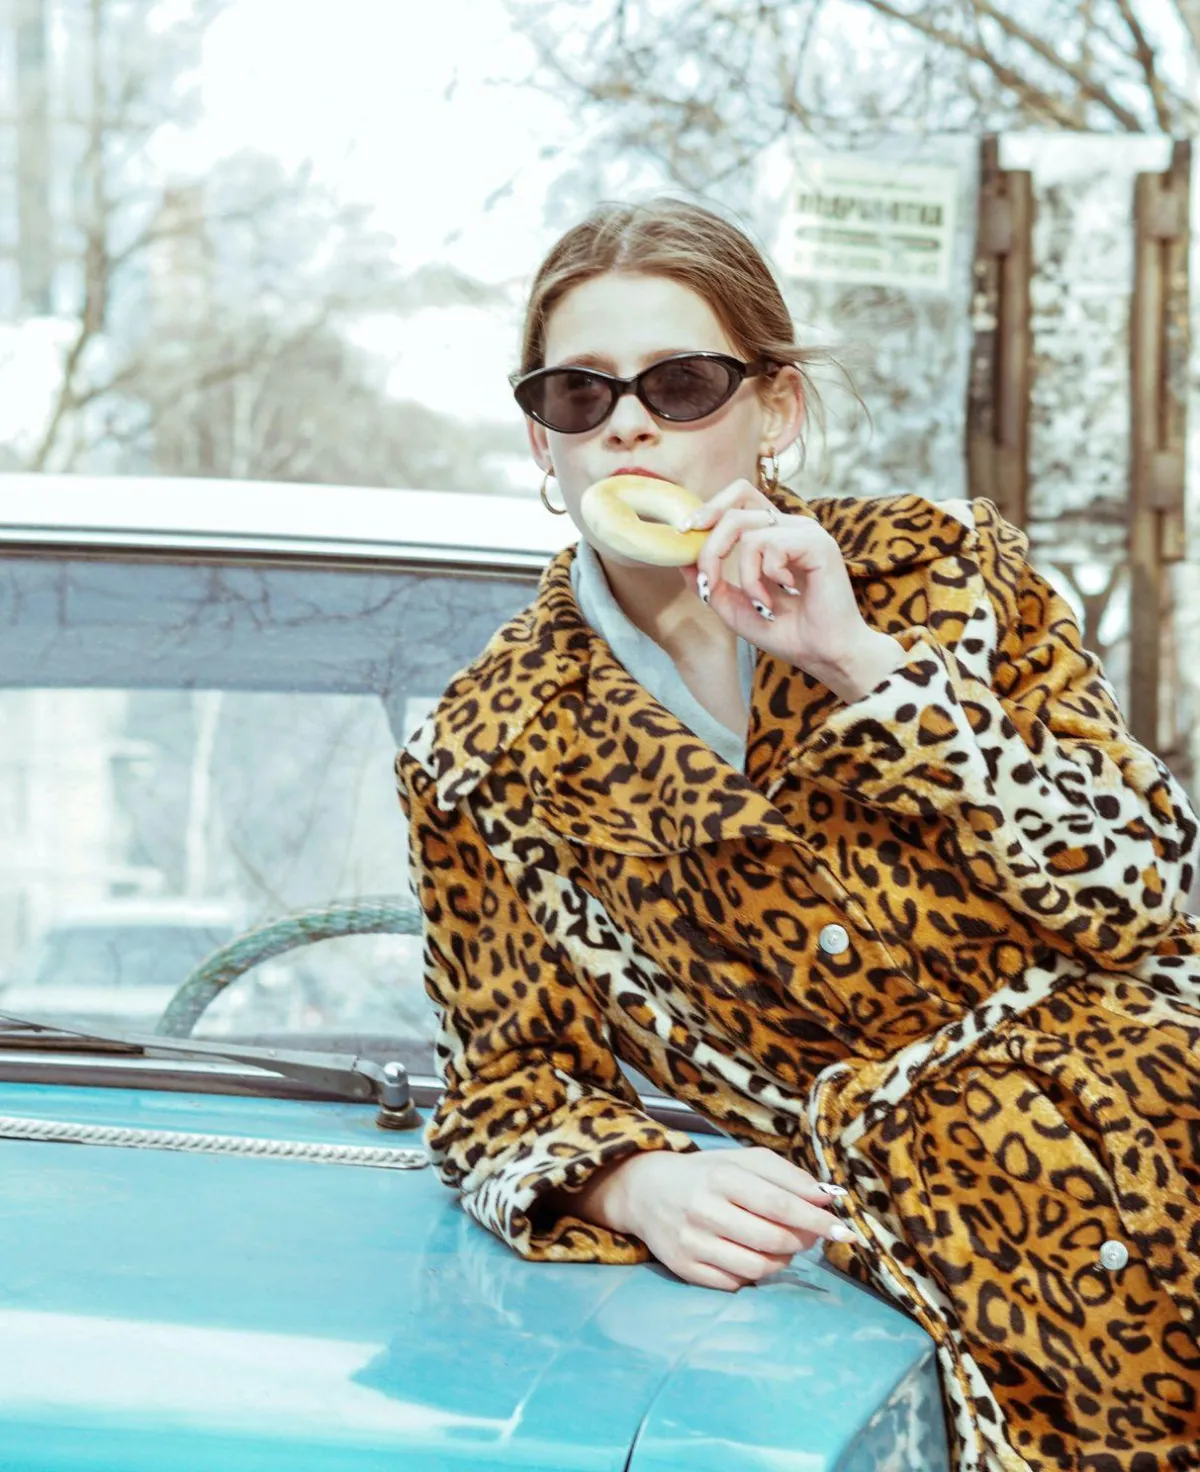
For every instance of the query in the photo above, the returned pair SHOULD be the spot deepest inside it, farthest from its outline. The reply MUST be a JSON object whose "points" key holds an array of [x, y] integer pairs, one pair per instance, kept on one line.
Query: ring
{"points": [[773, 519]]}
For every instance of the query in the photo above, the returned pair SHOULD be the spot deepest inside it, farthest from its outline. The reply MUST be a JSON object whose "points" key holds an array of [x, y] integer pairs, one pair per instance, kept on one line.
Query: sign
{"points": [[851, 218]]}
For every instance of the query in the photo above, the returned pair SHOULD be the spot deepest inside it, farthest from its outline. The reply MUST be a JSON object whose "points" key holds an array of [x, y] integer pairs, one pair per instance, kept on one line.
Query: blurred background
{"points": [[290, 240], [282, 241]]}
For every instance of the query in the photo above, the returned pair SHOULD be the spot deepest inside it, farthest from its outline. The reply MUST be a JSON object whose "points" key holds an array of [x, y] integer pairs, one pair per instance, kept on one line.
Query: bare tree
{"points": [[125, 80], [303, 405], [241, 364], [130, 245], [210, 332], [702, 87]]}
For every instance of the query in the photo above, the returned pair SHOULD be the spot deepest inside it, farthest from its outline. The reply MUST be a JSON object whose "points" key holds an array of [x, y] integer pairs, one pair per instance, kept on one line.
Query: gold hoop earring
{"points": [[768, 473], [553, 510]]}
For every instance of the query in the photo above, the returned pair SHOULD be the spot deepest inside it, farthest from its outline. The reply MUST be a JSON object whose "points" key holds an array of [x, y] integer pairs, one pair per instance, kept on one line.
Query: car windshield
{"points": [[191, 751], [116, 955]]}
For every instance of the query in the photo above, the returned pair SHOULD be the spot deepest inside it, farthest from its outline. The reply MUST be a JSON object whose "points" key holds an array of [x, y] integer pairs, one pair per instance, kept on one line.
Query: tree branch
{"points": [[92, 311], [1144, 54], [1188, 12], [65, 400], [1087, 84], [1032, 96]]}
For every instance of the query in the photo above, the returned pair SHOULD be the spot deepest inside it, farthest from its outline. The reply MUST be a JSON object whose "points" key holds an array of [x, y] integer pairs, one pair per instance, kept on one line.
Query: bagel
{"points": [[613, 508]]}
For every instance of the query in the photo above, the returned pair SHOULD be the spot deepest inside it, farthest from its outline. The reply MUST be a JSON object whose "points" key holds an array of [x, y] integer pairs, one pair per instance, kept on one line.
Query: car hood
{"points": [[198, 1310]]}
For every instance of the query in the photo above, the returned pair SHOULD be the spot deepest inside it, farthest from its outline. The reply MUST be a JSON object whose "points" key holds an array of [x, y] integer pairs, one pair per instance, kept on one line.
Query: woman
{"points": [[838, 836]]}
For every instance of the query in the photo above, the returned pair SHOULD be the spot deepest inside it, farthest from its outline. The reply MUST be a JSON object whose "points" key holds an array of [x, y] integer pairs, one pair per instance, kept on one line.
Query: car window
{"points": [[190, 750]]}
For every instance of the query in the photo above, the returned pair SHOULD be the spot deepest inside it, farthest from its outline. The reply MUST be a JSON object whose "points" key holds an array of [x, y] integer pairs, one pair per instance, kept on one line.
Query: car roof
{"points": [[194, 514]]}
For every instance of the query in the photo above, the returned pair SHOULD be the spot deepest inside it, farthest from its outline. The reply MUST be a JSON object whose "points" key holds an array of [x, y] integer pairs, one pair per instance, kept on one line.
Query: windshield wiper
{"points": [[346, 1075]]}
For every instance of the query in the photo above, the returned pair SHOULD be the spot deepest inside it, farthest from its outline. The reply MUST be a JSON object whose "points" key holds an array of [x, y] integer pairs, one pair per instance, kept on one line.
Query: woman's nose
{"points": [[630, 421]]}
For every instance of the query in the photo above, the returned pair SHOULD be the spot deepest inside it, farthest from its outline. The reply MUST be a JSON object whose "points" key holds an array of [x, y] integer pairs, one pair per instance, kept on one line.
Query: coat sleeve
{"points": [[534, 1099], [1013, 739]]}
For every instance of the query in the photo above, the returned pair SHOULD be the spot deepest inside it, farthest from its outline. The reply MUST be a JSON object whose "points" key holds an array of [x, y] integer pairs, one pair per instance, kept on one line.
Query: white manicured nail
{"points": [[789, 590], [702, 586], [764, 612]]}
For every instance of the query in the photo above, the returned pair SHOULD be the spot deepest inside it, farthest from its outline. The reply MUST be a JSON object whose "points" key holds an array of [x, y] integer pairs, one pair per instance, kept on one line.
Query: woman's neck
{"points": [[657, 601]]}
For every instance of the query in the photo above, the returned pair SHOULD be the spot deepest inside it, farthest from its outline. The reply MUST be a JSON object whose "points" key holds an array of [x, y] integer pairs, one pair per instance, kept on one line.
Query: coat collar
{"points": [[549, 647]]}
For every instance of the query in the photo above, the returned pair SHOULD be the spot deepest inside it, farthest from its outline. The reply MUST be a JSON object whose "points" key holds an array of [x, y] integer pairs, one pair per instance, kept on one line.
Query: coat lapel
{"points": [[611, 768], [637, 781], [488, 705]]}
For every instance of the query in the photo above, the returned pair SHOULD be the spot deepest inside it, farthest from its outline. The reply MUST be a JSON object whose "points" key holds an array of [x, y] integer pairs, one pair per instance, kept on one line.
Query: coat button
{"points": [[833, 939], [1113, 1256]]}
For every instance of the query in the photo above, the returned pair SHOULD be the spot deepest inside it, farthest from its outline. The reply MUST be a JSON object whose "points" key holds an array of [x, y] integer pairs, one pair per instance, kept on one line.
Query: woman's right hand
{"points": [[719, 1218]]}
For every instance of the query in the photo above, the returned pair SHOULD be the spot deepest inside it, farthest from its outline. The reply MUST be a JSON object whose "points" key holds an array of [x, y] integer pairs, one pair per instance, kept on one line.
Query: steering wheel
{"points": [[370, 915]]}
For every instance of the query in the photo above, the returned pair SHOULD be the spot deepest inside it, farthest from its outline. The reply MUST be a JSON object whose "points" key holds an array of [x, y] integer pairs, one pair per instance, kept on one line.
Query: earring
{"points": [[768, 473], [553, 510]]}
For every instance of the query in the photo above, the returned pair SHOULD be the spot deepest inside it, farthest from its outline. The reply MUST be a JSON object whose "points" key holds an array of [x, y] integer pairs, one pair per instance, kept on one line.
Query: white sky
{"points": [[415, 109]]}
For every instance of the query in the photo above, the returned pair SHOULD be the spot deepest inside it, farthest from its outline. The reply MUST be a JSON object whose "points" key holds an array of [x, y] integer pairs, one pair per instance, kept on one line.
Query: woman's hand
{"points": [[720, 1218], [791, 595]]}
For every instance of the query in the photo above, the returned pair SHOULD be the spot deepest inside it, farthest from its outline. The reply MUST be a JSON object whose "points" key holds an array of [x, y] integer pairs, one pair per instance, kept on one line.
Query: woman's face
{"points": [[622, 323]]}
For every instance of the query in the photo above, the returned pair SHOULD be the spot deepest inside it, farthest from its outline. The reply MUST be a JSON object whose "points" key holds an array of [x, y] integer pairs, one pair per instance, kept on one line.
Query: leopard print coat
{"points": [[929, 945]]}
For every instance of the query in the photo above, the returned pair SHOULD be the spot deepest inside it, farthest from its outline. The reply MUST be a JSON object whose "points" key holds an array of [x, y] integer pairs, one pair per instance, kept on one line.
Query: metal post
{"points": [[1002, 361], [1158, 346]]}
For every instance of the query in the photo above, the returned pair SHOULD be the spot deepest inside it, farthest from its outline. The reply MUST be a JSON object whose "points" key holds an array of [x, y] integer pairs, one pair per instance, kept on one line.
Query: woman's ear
{"points": [[783, 409], [539, 444]]}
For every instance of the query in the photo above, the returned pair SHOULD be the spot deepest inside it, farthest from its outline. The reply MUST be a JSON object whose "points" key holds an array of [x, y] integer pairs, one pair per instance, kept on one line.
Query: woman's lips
{"points": [[637, 470]]}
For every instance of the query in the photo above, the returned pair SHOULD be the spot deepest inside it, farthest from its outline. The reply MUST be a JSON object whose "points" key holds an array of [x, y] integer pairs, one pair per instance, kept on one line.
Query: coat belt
{"points": [[859, 1096], [847, 1100]]}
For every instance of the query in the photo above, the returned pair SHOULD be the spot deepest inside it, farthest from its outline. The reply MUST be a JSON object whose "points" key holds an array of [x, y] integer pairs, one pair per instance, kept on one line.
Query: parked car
{"points": [[115, 962], [246, 1262]]}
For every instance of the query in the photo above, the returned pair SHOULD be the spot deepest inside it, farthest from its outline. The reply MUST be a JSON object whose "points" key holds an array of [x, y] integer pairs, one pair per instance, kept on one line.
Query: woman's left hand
{"points": [[793, 569]]}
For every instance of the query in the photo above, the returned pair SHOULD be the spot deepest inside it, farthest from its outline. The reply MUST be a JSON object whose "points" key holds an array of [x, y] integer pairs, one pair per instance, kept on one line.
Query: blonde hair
{"points": [[684, 242]]}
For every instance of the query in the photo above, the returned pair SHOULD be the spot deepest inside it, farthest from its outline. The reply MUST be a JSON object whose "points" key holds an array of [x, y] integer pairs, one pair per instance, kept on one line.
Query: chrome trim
{"points": [[158, 544], [131, 1137], [174, 514], [179, 1075]]}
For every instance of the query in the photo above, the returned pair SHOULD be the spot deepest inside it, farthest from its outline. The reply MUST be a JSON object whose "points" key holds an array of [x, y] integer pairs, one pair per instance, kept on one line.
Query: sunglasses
{"points": [[681, 388]]}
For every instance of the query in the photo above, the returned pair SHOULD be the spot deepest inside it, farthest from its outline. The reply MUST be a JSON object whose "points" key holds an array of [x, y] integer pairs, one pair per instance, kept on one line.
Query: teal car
{"points": [[223, 1243]]}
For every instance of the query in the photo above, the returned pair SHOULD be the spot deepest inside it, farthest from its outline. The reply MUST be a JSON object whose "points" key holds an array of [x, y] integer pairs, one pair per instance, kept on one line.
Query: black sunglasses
{"points": [[680, 388]]}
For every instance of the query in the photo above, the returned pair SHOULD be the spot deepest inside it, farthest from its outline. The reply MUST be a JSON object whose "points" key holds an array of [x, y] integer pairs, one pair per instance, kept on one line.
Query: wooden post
{"points": [[1158, 348], [1002, 359]]}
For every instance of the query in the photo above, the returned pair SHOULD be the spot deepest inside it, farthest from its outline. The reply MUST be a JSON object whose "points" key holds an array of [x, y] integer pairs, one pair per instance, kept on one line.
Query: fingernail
{"points": [[702, 586], [764, 612], [789, 590], [833, 1190], [840, 1232]]}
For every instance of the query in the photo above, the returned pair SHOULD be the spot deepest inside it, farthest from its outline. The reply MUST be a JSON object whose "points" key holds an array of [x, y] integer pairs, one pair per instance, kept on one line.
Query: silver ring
{"points": [[773, 520]]}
